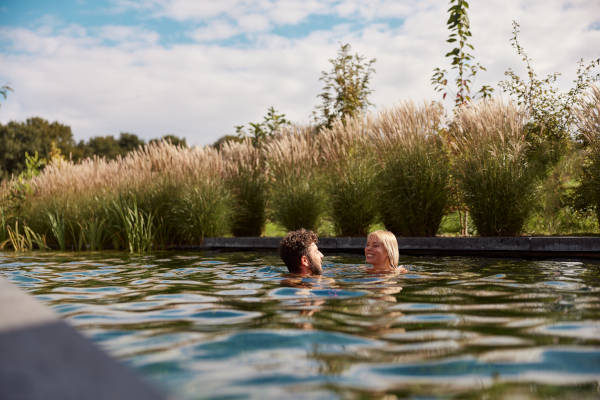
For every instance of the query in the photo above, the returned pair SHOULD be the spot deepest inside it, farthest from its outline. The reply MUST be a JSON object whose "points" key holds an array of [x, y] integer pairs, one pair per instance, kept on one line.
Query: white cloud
{"points": [[128, 34], [202, 90], [216, 30]]}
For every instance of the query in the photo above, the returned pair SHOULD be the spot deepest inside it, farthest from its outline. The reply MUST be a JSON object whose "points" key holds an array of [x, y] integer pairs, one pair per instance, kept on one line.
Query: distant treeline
{"points": [[50, 139]]}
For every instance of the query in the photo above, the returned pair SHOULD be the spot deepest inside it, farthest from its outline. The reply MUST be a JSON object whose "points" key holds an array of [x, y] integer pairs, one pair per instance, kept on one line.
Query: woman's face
{"points": [[375, 253]]}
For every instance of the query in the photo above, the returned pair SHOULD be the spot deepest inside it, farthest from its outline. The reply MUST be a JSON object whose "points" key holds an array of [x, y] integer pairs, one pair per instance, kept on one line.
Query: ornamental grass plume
{"points": [[588, 122], [245, 177], [491, 166], [347, 159], [155, 196], [296, 192], [414, 176]]}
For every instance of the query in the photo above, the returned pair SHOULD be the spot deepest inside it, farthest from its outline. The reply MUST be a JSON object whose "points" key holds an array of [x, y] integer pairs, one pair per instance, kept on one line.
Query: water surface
{"points": [[235, 325]]}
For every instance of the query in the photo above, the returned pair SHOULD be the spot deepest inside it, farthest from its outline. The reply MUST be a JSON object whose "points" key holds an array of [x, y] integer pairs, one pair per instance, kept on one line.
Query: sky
{"points": [[198, 68]]}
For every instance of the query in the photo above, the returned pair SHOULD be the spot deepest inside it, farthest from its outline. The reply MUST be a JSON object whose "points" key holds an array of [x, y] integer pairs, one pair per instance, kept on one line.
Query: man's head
{"points": [[298, 250]]}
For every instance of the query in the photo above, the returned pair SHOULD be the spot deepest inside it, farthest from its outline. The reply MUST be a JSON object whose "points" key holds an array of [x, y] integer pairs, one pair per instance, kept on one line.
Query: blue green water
{"points": [[235, 325]]}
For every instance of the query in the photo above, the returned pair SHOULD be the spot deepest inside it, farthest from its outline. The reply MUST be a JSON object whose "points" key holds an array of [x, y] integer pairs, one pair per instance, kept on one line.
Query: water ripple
{"points": [[238, 325]]}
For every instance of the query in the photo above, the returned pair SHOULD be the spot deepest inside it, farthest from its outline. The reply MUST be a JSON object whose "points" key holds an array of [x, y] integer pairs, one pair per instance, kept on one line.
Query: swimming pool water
{"points": [[235, 325]]}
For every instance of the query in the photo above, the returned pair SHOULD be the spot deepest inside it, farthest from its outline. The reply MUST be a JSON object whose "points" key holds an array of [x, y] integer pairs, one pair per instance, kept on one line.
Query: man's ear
{"points": [[304, 261]]}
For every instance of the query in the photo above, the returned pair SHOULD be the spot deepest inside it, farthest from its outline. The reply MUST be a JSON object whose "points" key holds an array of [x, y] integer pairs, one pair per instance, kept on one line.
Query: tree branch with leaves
{"points": [[461, 60], [346, 87]]}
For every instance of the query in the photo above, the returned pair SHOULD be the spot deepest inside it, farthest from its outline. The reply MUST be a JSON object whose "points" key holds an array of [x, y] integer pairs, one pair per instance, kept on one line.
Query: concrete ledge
{"points": [[524, 246], [42, 357]]}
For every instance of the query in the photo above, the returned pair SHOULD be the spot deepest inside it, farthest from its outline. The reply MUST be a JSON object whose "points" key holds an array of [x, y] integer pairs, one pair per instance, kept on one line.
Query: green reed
{"points": [[246, 180], [136, 225], [413, 182], [58, 228], [491, 166], [296, 188], [202, 210], [24, 238], [348, 163]]}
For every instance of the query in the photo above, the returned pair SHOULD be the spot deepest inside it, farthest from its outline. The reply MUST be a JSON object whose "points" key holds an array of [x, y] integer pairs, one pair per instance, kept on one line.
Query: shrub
{"points": [[348, 162], [295, 185], [413, 180], [491, 166]]}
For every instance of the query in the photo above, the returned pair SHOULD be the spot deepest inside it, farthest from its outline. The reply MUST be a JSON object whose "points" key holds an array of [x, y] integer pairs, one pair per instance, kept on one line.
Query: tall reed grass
{"points": [[348, 162], [246, 179], [588, 121], [393, 167], [154, 197], [296, 187], [414, 176], [491, 166]]}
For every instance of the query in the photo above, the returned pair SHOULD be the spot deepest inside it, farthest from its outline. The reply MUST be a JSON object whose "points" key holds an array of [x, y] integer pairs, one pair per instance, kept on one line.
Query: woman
{"points": [[381, 252]]}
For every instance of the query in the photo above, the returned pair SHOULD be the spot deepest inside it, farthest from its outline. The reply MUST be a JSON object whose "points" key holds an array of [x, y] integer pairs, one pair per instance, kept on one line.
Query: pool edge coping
{"points": [[522, 246], [44, 357]]}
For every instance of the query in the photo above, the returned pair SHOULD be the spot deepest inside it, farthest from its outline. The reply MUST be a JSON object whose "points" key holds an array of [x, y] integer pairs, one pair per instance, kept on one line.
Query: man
{"points": [[299, 251]]}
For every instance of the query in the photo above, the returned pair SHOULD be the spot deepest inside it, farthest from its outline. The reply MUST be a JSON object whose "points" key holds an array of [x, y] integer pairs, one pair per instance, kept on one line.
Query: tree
{"points": [[103, 146], [108, 146], [225, 139], [34, 135], [129, 141], [260, 131], [174, 140], [462, 61], [346, 87]]}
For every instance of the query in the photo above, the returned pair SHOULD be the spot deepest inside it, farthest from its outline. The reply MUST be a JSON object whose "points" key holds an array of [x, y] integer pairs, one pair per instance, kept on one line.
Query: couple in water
{"points": [[300, 253]]}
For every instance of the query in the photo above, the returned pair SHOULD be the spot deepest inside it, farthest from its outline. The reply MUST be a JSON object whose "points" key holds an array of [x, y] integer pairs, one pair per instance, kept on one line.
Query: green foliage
{"points": [[588, 121], [249, 196], [346, 87], [202, 210], [491, 167], [24, 240], [412, 185], [246, 181], [353, 195], [136, 224], [58, 229], [498, 193], [554, 209], [461, 60], [92, 233], [296, 189], [552, 111], [589, 189], [261, 131], [35, 136], [174, 140], [297, 203], [108, 146], [413, 188], [219, 143]]}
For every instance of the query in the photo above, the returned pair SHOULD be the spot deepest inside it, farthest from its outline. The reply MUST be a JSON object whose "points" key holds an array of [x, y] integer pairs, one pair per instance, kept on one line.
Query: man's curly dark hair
{"points": [[295, 245]]}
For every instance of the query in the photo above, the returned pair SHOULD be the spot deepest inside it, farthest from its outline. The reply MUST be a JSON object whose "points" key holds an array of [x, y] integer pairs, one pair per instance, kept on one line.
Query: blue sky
{"points": [[198, 68]]}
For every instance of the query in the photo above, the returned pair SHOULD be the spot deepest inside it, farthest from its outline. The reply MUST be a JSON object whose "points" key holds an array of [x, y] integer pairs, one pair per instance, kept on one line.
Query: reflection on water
{"points": [[236, 325]]}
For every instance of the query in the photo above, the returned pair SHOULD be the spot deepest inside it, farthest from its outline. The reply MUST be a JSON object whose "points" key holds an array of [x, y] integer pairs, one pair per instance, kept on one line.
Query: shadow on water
{"points": [[229, 325]]}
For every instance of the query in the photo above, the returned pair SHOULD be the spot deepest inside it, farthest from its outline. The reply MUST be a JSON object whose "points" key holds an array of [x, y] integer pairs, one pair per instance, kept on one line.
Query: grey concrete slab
{"points": [[524, 246], [42, 357]]}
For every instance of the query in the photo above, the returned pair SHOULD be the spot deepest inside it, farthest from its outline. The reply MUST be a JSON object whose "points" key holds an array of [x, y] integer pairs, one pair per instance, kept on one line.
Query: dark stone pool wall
{"points": [[525, 246], [43, 358]]}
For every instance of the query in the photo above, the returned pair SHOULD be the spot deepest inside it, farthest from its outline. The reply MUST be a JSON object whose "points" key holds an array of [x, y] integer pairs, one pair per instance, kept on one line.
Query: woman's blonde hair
{"points": [[390, 243]]}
